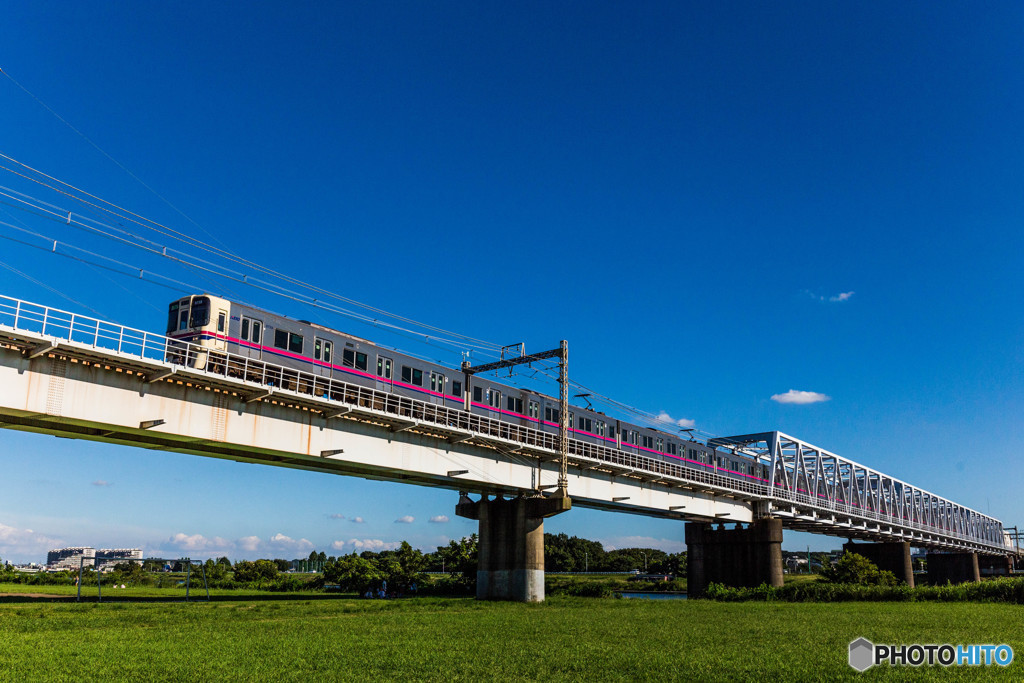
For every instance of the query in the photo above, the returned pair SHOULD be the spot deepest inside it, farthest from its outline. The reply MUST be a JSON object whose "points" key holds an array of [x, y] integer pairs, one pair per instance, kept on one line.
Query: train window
{"points": [[412, 375], [534, 409], [648, 441], [671, 448], [625, 436], [493, 398], [221, 321], [383, 367], [633, 434], [550, 414], [322, 349], [660, 445], [457, 389], [585, 424], [354, 359], [200, 312], [183, 319], [437, 382], [281, 339], [602, 428], [515, 405], [251, 330], [611, 431], [478, 394], [172, 317]]}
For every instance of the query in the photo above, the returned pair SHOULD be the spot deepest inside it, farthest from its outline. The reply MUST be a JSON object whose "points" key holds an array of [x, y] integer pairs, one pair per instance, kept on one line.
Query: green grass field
{"points": [[295, 638]]}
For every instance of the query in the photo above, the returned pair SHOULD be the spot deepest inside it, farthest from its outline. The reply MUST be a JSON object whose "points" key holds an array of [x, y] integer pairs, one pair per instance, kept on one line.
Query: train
{"points": [[217, 325]]}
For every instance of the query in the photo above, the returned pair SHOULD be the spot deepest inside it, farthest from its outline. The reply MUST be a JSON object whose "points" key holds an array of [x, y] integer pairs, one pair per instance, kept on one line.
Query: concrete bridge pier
{"points": [[737, 557], [893, 557], [510, 550], [953, 567]]}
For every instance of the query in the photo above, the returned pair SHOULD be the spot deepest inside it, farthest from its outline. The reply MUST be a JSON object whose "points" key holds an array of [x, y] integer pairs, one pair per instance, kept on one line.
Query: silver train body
{"points": [[222, 325]]}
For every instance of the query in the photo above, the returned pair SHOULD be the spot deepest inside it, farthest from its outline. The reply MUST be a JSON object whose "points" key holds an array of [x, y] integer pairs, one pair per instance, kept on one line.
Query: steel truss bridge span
{"points": [[809, 488]]}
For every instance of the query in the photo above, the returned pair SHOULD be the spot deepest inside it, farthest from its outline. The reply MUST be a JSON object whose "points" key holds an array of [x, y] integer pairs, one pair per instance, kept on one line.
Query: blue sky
{"points": [[715, 204]]}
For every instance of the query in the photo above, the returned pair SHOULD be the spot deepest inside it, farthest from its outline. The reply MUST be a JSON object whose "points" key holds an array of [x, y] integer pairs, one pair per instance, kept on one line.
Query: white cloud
{"points": [[197, 542], [101, 482], [683, 422], [357, 520], [374, 544], [281, 543], [405, 519], [669, 545], [800, 397], [836, 298], [249, 543], [337, 545], [336, 516], [439, 519], [25, 543]]}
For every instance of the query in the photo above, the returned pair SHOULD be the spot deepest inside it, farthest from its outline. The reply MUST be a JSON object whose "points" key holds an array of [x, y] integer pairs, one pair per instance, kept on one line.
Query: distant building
{"points": [[70, 558], [73, 558], [113, 556]]}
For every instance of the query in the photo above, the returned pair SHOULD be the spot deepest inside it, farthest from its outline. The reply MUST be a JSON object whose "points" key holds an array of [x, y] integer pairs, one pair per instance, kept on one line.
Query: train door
{"points": [[437, 387], [219, 339], [385, 373], [252, 337], [323, 353]]}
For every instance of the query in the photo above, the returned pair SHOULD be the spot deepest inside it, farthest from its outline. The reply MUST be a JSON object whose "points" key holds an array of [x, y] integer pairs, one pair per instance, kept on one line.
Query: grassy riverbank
{"points": [[461, 639]]}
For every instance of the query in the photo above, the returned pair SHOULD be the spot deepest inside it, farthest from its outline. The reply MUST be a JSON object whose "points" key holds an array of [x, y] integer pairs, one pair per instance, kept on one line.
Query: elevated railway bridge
{"points": [[80, 377]]}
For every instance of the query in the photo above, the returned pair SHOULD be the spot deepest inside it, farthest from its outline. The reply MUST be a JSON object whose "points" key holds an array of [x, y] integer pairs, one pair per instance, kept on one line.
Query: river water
{"points": [[655, 596]]}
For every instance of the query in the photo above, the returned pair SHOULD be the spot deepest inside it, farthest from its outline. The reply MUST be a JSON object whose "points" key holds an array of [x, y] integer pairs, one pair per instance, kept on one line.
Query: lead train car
{"points": [[221, 325]]}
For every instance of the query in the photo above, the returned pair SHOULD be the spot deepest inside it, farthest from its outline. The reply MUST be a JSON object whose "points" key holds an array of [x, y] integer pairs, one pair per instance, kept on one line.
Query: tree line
{"points": [[403, 570]]}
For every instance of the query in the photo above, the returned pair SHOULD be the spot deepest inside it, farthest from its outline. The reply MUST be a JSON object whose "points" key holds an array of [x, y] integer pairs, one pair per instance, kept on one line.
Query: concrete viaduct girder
{"points": [[81, 393]]}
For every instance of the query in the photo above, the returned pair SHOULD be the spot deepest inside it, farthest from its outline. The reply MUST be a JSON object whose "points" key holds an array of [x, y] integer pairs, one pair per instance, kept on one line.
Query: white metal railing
{"points": [[133, 343]]}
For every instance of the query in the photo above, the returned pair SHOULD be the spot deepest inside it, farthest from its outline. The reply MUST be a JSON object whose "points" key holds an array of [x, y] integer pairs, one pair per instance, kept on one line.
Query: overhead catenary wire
{"points": [[104, 152], [54, 290], [57, 214], [205, 268], [132, 239], [174, 234], [92, 259]]}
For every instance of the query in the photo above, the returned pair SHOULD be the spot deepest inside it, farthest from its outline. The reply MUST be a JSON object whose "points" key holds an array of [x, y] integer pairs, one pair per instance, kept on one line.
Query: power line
{"points": [[48, 211], [104, 153], [190, 240], [129, 238]]}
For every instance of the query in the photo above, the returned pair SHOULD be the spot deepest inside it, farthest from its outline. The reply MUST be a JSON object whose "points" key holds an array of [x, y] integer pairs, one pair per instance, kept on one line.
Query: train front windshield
{"points": [[188, 313], [177, 316], [200, 316]]}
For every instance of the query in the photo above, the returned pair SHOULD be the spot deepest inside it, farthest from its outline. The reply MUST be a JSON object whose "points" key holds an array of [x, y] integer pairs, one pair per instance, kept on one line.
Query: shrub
{"points": [[252, 572], [857, 570]]}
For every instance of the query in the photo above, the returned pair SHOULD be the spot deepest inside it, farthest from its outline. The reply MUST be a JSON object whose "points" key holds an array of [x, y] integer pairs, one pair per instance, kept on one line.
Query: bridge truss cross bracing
{"points": [[808, 488], [812, 487]]}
